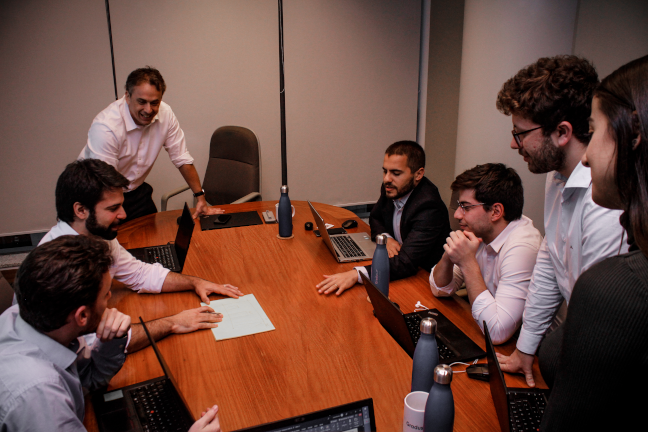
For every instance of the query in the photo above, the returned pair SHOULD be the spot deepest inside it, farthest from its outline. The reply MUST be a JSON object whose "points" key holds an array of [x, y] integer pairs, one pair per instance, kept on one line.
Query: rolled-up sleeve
{"points": [[175, 144], [135, 274], [451, 288]]}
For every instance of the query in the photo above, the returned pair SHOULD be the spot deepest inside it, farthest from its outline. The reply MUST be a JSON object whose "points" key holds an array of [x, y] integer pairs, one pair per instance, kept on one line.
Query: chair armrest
{"points": [[166, 196], [249, 197]]}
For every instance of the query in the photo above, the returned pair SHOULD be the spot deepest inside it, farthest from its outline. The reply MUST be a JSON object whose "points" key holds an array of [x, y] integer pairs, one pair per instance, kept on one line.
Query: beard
{"points": [[106, 233], [548, 157], [404, 190]]}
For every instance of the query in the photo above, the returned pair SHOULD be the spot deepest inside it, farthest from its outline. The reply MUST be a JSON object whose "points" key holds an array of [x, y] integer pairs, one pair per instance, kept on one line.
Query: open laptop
{"points": [[454, 345], [153, 405], [518, 409], [355, 416], [345, 247], [171, 256]]}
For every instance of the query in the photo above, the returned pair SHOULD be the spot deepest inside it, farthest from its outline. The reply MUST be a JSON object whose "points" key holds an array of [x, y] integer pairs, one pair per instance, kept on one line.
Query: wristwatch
{"points": [[201, 193]]}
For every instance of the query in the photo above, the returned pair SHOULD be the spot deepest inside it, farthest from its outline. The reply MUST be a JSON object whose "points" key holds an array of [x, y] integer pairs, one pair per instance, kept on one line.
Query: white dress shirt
{"points": [[135, 274], [116, 139], [506, 266], [578, 234]]}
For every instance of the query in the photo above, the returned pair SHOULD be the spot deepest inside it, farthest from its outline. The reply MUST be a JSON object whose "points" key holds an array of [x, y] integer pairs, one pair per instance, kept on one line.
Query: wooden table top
{"points": [[325, 351]]}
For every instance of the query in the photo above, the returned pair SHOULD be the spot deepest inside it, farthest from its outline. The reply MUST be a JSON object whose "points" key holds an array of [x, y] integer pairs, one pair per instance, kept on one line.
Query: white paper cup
{"points": [[277, 210], [414, 411]]}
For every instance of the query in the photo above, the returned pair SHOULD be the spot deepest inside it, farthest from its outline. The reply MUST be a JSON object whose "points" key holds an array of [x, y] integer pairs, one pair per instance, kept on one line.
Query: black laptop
{"points": [[454, 345], [172, 255], [355, 416], [153, 405], [518, 409]]}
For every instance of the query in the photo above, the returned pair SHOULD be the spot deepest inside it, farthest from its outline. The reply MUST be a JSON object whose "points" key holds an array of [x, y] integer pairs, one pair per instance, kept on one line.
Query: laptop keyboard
{"points": [[160, 254], [158, 408], [414, 326], [347, 246], [526, 410]]}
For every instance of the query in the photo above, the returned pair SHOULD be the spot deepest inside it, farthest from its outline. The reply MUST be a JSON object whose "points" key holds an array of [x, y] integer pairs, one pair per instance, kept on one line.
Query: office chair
{"points": [[233, 173]]}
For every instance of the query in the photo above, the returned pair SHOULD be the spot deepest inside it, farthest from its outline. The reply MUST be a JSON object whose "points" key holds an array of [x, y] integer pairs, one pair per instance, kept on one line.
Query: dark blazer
{"points": [[424, 228]]}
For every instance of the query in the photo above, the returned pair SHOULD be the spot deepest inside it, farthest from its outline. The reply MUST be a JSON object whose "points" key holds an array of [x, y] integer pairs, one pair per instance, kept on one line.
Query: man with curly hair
{"points": [[550, 103]]}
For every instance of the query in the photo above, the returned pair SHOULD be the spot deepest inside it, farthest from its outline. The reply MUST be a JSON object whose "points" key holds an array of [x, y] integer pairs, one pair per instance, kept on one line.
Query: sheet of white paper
{"points": [[241, 317]]}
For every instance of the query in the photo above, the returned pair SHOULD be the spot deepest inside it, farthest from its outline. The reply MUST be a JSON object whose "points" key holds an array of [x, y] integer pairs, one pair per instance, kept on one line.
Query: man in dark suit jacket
{"points": [[410, 211]]}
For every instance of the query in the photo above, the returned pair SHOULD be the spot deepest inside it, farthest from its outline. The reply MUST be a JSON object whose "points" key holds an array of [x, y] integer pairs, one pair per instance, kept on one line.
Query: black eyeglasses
{"points": [[516, 135], [466, 207]]}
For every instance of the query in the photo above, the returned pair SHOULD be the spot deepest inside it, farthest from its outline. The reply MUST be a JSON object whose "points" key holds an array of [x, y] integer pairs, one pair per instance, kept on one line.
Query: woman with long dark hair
{"points": [[596, 363]]}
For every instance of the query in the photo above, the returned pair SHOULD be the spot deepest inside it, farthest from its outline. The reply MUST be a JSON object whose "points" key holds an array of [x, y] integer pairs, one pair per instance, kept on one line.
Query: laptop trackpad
{"points": [[116, 421]]}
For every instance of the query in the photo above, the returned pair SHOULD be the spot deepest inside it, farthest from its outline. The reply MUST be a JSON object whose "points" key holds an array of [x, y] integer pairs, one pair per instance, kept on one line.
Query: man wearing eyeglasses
{"points": [[550, 102], [494, 252]]}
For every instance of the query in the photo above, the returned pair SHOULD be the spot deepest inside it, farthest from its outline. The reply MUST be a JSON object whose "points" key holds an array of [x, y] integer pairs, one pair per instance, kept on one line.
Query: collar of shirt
{"points": [[400, 202], [59, 355], [581, 177], [499, 241], [128, 118]]}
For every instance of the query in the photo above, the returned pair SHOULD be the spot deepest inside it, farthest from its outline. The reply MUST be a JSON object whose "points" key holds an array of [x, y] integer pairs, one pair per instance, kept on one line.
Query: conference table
{"points": [[324, 351]]}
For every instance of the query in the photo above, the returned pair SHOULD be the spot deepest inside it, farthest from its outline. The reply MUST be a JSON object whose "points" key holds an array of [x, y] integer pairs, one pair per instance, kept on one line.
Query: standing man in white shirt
{"points": [[494, 252], [550, 103], [129, 135], [89, 202]]}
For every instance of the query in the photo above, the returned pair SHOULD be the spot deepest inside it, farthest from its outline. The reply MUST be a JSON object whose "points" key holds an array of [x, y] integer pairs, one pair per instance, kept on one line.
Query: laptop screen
{"points": [[497, 383], [356, 416], [321, 226], [183, 237]]}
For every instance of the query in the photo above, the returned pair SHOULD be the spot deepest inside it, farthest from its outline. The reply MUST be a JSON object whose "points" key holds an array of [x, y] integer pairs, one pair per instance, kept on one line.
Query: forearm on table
{"points": [[175, 282], [159, 329]]}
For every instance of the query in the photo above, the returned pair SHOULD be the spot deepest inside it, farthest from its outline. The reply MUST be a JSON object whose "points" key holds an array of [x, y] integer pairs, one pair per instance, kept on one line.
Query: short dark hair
{"points": [[84, 181], [414, 152], [623, 99], [494, 183], [146, 74], [552, 90], [60, 276]]}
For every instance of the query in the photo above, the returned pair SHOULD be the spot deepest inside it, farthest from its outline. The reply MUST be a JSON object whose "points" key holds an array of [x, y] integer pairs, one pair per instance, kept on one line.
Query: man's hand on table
{"points": [[339, 281], [208, 421], [204, 288], [195, 319], [518, 362], [203, 209], [113, 324], [393, 247]]}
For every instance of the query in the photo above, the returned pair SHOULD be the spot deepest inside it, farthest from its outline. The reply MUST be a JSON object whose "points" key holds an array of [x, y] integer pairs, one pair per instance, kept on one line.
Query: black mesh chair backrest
{"points": [[233, 167]]}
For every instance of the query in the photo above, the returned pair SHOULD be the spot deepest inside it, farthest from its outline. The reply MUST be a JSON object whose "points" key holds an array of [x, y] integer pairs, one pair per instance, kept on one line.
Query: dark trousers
{"points": [[139, 202]]}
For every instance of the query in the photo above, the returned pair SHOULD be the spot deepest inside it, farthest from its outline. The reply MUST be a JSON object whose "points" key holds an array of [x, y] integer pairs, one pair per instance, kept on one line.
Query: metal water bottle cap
{"points": [[284, 189], [428, 326], [381, 239], [442, 374]]}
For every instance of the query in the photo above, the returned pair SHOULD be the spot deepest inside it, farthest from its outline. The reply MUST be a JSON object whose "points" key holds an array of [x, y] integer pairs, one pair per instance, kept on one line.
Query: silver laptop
{"points": [[345, 247]]}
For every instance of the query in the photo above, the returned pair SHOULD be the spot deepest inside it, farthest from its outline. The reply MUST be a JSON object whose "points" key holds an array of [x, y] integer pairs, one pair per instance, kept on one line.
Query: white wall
{"points": [[611, 34], [351, 89], [500, 38], [55, 76]]}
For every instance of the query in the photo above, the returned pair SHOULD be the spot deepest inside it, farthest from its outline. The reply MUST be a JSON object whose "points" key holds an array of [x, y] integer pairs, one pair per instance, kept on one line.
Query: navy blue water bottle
{"points": [[426, 357], [284, 216], [440, 409], [380, 265]]}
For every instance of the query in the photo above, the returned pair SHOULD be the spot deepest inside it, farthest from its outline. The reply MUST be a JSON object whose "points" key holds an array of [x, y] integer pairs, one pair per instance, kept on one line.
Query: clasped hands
{"points": [[461, 246]]}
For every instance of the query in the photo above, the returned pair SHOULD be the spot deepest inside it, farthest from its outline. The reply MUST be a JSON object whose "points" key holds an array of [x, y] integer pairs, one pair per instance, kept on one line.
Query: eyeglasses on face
{"points": [[465, 208], [516, 135]]}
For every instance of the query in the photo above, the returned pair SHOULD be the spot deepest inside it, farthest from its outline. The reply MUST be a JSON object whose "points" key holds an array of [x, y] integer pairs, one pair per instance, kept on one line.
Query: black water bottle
{"points": [[426, 357], [284, 216], [380, 265], [440, 409]]}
